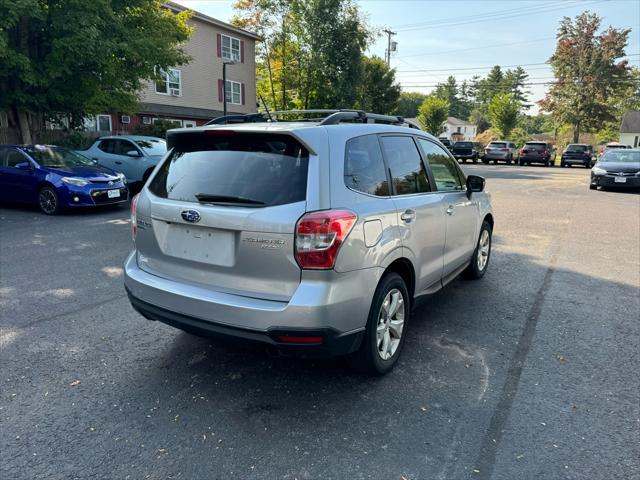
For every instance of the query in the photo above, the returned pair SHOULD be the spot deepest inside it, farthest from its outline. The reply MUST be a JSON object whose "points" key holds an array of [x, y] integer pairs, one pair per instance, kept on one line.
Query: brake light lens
{"points": [[319, 236], [299, 339], [504, 149], [134, 223]]}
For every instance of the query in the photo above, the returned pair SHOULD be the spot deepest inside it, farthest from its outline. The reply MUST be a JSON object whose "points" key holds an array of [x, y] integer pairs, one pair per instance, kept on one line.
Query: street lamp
{"points": [[224, 83]]}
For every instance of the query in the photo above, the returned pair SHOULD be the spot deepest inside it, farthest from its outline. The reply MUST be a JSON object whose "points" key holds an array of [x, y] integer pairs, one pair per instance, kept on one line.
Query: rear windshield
{"points": [[236, 169], [463, 145], [578, 148], [535, 146], [497, 145]]}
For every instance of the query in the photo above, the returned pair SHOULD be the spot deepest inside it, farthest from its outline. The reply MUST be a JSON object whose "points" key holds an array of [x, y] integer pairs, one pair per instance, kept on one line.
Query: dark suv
{"points": [[538, 152], [466, 151], [577, 153]]}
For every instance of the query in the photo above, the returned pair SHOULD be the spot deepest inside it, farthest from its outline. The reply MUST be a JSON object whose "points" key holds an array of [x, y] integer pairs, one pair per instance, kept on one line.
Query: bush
{"points": [[157, 129]]}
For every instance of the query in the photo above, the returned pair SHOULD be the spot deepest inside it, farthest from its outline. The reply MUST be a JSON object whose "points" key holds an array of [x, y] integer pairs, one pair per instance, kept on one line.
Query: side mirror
{"points": [[23, 166], [475, 183], [133, 153]]}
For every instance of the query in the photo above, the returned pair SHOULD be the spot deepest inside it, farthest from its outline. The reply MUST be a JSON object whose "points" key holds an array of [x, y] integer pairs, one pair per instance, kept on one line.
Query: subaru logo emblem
{"points": [[191, 216], [110, 182]]}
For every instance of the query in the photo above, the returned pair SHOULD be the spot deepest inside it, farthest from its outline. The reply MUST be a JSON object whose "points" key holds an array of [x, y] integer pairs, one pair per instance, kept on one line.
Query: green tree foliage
{"points": [[433, 113], [77, 57], [313, 53], [503, 112], [409, 103], [457, 97], [588, 75], [377, 89]]}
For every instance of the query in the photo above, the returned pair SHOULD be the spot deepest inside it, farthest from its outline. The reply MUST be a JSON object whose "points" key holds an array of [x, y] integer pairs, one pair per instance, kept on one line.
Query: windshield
{"points": [[58, 157], [462, 145], [621, 156], [535, 146], [249, 169], [497, 145], [152, 146], [578, 148]]}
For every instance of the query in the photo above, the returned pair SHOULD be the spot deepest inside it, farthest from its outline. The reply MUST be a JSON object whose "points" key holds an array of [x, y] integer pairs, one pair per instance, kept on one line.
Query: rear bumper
{"points": [[535, 158], [464, 156], [496, 156], [334, 306], [578, 161]]}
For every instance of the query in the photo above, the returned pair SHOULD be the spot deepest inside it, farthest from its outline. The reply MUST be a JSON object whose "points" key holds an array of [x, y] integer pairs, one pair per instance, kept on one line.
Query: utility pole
{"points": [[387, 53]]}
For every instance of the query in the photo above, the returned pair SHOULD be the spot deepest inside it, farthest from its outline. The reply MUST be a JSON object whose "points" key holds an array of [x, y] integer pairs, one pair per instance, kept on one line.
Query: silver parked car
{"points": [[313, 237], [500, 151], [134, 155]]}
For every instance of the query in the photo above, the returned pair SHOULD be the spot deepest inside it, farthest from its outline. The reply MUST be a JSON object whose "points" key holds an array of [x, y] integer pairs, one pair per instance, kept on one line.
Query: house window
{"points": [[230, 48], [188, 123], [233, 92], [170, 82], [103, 123]]}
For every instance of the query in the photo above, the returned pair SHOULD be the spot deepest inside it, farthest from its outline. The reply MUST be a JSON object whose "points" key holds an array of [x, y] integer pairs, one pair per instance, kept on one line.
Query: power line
{"points": [[476, 48], [619, 81]]}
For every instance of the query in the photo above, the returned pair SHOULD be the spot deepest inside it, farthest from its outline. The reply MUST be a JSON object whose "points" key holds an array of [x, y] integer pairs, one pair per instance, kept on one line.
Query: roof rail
{"points": [[364, 117], [240, 118]]}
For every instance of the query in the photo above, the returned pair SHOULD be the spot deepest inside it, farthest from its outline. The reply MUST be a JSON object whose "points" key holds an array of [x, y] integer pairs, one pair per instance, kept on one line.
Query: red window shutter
{"points": [[241, 51], [219, 44], [220, 90], [242, 93]]}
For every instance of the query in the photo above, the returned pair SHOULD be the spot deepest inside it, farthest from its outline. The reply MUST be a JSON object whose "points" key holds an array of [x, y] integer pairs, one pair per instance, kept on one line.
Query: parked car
{"points": [[577, 154], [466, 151], [313, 238], [445, 141], [538, 152], [617, 168], [134, 155], [56, 178], [500, 151], [612, 146]]}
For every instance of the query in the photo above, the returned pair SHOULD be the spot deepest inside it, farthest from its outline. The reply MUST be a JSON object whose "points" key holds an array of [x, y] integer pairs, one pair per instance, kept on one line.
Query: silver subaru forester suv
{"points": [[313, 237]]}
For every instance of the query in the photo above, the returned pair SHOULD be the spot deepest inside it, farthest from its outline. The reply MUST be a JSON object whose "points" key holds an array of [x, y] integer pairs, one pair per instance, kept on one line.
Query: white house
{"points": [[630, 129], [456, 129]]}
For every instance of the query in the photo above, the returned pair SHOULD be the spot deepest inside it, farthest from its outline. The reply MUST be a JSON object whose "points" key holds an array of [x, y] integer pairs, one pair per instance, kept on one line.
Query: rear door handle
{"points": [[451, 209], [408, 216]]}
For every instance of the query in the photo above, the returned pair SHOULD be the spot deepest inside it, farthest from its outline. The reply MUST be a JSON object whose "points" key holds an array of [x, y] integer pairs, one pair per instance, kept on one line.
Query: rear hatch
{"points": [[534, 148], [221, 212], [577, 151], [463, 148]]}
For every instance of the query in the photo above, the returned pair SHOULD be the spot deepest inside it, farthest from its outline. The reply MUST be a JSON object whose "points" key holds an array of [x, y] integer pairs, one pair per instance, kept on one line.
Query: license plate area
{"points": [[198, 244], [620, 180], [113, 193]]}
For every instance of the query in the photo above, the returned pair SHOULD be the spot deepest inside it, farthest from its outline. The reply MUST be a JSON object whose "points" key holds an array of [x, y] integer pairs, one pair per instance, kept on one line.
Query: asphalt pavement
{"points": [[532, 372]]}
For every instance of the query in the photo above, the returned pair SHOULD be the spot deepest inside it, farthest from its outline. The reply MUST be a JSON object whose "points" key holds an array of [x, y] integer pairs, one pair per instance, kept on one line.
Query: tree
{"points": [[71, 58], [449, 91], [503, 112], [433, 113], [587, 72], [409, 103], [515, 82], [377, 91]]}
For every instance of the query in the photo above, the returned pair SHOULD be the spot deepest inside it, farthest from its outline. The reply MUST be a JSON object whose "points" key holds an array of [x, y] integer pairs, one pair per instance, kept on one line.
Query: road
{"points": [[532, 372]]}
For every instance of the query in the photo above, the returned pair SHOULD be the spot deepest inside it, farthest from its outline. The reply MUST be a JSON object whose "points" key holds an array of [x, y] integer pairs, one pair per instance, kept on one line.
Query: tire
{"points": [[477, 267], [486, 162], [48, 201], [475, 159], [593, 187], [563, 165], [379, 339]]}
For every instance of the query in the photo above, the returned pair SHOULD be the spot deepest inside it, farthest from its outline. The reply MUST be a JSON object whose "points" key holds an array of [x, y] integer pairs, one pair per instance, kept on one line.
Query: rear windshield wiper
{"points": [[227, 200]]}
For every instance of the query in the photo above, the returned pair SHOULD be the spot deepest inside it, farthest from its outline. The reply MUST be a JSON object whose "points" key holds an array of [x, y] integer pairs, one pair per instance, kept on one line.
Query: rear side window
{"points": [[363, 166], [236, 169], [445, 173], [107, 145], [407, 170]]}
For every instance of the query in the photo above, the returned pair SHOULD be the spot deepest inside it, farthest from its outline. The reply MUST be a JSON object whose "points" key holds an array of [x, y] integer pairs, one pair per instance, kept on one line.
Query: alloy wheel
{"points": [[48, 201], [390, 324], [484, 246]]}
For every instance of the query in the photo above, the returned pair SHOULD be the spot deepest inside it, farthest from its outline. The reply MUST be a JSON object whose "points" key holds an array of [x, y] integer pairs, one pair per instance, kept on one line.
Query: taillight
{"points": [[504, 149], [546, 152], [134, 223], [319, 236]]}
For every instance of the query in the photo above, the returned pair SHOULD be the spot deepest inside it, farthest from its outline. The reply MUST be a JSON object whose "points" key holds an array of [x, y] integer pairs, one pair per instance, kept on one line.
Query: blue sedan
{"points": [[56, 178]]}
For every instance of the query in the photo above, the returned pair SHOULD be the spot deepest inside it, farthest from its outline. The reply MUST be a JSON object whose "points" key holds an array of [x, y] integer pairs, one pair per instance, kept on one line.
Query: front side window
{"points": [[239, 169], [12, 157], [407, 170], [170, 82], [153, 146], [234, 92], [230, 48], [121, 147], [364, 168], [444, 171]]}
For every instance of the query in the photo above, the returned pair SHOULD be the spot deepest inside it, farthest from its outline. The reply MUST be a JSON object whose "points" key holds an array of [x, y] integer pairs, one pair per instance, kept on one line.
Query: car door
{"points": [[461, 213], [129, 165], [419, 209], [17, 184], [103, 153]]}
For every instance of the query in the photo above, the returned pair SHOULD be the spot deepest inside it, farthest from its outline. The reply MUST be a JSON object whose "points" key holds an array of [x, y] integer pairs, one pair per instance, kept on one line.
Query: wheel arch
{"points": [[488, 218], [403, 267]]}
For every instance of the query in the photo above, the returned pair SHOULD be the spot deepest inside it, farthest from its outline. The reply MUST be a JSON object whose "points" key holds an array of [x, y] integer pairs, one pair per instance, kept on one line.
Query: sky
{"points": [[467, 37]]}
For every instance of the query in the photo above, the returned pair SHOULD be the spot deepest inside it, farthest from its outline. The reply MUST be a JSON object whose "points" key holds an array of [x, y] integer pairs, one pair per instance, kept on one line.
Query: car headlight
{"points": [[122, 178], [598, 171], [78, 182]]}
